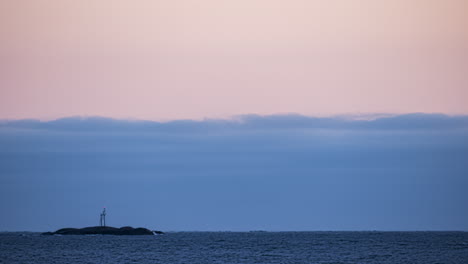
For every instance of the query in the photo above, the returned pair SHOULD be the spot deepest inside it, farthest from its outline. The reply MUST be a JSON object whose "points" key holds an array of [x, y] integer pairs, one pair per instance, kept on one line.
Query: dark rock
{"points": [[102, 230]]}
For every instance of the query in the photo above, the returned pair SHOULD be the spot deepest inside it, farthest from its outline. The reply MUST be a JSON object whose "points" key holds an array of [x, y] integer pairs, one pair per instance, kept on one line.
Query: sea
{"points": [[239, 247]]}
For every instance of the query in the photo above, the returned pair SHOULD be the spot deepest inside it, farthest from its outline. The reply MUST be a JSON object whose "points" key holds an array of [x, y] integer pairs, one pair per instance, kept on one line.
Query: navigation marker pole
{"points": [[102, 220]]}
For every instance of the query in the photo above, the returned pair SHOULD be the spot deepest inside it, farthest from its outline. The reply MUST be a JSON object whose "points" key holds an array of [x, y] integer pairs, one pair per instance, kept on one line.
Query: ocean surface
{"points": [[239, 247]]}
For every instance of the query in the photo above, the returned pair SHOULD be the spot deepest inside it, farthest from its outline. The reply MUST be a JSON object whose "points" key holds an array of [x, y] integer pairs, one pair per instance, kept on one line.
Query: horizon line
{"points": [[281, 231]]}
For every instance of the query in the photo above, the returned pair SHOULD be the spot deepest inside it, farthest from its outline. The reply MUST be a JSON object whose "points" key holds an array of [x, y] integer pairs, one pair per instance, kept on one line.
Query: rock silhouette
{"points": [[104, 230]]}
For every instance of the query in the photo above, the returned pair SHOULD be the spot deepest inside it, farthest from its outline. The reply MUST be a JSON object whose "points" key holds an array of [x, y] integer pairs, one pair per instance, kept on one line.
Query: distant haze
{"points": [[191, 59], [275, 173]]}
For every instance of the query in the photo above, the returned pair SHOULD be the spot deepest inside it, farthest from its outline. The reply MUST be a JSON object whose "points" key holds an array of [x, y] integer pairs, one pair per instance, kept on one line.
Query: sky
{"points": [[274, 173], [187, 59], [234, 115]]}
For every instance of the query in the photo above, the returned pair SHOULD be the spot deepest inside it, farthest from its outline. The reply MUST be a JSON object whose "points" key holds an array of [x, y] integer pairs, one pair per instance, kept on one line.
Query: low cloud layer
{"points": [[290, 172]]}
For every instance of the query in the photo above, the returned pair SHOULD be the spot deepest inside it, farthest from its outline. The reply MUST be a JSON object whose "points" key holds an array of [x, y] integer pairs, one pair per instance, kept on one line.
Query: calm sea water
{"points": [[233, 247]]}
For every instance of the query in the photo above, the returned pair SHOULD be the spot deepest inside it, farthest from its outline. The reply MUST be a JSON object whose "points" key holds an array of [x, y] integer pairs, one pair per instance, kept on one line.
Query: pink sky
{"points": [[161, 60]]}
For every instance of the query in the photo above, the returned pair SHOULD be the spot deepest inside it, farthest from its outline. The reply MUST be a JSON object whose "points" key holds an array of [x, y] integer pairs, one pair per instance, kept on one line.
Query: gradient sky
{"points": [[261, 114], [162, 60]]}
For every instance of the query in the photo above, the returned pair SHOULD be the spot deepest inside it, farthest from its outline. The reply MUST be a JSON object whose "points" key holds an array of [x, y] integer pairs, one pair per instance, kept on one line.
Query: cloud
{"points": [[287, 172], [247, 122]]}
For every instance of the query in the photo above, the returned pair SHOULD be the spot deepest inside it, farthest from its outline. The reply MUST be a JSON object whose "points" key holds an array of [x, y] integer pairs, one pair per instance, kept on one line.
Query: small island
{"points": [[102, 229]]}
